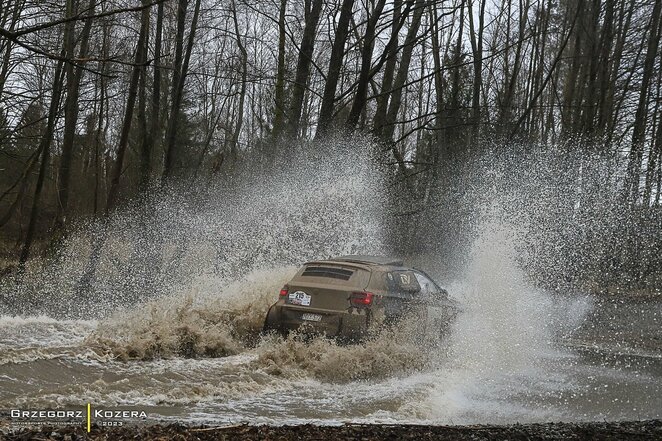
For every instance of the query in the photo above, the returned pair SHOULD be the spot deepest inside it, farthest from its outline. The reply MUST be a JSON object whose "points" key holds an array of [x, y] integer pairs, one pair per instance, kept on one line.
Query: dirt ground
{"points": [[626, 430]]}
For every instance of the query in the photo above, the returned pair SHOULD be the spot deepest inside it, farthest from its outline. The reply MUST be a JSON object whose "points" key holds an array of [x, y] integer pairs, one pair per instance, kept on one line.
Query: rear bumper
{"points": [[350, 324]]}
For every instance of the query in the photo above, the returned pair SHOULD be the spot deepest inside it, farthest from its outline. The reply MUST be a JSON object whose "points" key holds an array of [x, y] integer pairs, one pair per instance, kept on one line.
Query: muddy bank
{"points": [[625, 430]]}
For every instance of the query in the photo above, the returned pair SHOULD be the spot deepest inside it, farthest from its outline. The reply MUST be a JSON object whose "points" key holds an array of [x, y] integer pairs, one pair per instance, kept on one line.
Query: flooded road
{"points": [[171, 322], [480, 374]]}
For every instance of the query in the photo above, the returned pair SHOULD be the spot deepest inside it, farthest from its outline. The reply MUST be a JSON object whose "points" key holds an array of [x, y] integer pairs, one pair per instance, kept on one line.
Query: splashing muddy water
{"points": [[171, 323]]}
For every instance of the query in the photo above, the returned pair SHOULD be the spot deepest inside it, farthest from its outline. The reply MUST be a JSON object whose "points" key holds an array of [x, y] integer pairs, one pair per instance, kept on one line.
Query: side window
{"points": [[401, 281], [427, 286]]}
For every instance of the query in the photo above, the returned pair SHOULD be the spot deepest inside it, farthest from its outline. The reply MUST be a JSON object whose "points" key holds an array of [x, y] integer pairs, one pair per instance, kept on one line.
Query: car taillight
{"points": [[361, 299], [284, 290]]}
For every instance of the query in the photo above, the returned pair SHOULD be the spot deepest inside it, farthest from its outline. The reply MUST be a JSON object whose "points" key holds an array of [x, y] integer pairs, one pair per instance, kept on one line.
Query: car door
{"points": [[435, 300], [402, 289]]}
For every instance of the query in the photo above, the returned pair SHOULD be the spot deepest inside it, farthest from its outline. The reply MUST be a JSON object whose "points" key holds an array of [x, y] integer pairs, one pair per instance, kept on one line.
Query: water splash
{"points": [[216, 319], [328, 200], [506, 342], [185, 279]]}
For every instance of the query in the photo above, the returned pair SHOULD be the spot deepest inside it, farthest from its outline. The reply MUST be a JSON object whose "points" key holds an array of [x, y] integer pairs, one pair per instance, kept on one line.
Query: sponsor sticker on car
{"points": [[299, 298]]}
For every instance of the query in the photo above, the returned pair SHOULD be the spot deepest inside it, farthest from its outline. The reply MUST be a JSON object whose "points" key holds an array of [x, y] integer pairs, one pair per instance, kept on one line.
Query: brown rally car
{"points": [[347, 296]]}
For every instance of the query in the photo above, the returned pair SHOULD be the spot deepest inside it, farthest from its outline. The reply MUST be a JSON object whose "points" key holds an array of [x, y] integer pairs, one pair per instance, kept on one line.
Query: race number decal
{"points": [[299, 298]]}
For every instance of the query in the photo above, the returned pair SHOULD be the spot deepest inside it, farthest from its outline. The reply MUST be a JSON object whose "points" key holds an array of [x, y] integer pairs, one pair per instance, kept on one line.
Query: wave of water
{"points": [[171, 319]]}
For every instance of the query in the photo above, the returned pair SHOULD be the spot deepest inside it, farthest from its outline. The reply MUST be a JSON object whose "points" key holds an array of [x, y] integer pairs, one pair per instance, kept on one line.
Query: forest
{"points": [[103, 102]]}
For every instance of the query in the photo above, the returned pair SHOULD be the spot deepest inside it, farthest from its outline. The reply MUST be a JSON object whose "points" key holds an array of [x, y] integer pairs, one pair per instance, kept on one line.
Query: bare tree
{"points": [[313, 8]]}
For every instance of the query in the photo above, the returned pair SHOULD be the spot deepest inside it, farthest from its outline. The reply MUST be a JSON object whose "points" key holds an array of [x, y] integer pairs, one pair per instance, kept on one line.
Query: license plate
{"points": [[311, 317], [299, 298]]}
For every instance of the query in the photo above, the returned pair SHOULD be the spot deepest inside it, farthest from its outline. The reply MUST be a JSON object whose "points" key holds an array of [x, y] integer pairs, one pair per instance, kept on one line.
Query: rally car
{"points": [[349, 296]]}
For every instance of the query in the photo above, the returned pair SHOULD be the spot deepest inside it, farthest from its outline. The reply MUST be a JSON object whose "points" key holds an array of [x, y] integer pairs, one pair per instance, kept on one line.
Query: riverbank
{"points": [[624, 430]]}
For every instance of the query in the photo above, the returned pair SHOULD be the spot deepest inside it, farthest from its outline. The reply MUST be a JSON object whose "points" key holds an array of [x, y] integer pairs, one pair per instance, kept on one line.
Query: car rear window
{"points": [[327, 271]]}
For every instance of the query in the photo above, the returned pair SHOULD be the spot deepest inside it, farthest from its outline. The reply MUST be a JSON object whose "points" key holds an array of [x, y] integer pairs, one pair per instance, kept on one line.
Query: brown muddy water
{"points": [[514, 354]]}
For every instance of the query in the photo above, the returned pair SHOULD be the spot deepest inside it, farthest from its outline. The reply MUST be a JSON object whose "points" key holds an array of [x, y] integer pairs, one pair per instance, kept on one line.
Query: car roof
{"points": [[363, 260], [374, 260]]}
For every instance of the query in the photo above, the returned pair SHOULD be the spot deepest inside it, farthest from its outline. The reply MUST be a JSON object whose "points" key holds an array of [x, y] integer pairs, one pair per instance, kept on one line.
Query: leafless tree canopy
{"points": [[106, 100]]}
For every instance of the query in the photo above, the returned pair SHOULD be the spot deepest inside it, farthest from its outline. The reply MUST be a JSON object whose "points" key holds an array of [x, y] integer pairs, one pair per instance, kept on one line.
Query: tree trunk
{"points": [[477, 50], [142, 118], [71, 108], [451, 131], [99, 133], [606, 41], [335, 63], [389, 71], [655, 150], [366, 60], [609, 110], [279, 96], [303, 66], [641, 117], [139, 62], [174, 100], [242, 93], [45, 146], [154, 123], [505, 113], [179, 79], [570, 84], [403, 72], [6, 57]]}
